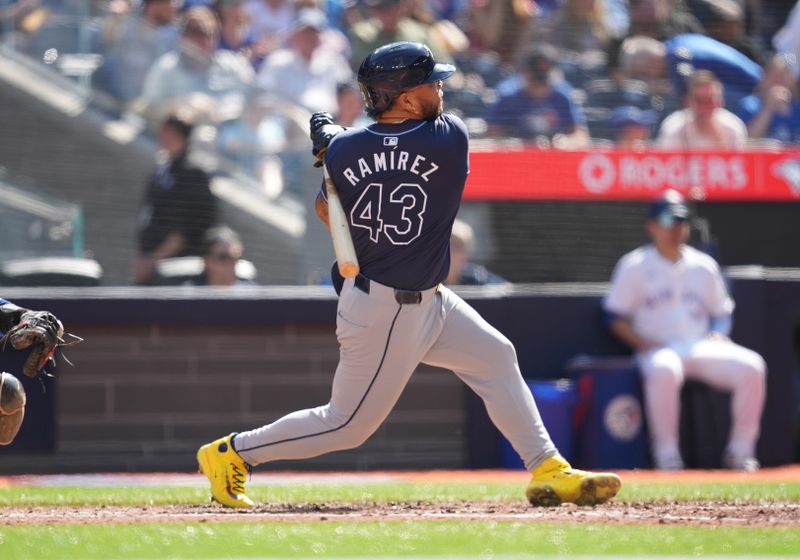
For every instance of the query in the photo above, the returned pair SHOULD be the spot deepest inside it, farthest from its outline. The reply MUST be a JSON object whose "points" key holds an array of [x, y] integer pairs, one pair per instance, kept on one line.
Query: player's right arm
{"points": [[620, 303]]}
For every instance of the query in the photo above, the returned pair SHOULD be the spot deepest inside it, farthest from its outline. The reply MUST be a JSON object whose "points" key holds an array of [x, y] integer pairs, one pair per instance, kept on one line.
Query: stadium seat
{"points": [[51, 271], [178, 270]]}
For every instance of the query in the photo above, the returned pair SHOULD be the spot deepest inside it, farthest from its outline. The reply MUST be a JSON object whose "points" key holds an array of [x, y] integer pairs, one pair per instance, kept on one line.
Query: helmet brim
{"points": [[441, 71]]}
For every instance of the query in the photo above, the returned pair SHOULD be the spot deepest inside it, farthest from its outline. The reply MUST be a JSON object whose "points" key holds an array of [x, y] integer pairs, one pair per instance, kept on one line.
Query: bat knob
{"points": [[348, 269]]}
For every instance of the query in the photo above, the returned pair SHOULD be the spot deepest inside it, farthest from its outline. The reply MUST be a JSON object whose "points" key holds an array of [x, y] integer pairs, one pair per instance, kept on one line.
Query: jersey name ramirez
{"points": [[391, 160], [400, 187]]}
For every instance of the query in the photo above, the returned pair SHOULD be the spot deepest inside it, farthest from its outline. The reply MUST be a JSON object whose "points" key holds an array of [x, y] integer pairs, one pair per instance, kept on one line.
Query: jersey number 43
{"points": [[371, 208]]}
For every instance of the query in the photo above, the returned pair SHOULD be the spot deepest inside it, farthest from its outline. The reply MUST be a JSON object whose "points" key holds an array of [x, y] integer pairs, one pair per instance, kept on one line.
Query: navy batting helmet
{"points": [[394, 68]]}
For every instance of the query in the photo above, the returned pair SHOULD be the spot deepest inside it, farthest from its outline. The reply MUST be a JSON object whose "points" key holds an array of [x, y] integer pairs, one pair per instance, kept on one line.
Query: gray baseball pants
{"points": [[381, 343]]}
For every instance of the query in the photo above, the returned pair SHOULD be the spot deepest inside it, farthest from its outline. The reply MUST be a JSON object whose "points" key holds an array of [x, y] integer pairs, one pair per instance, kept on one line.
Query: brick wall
{"points": [[144, 397]]}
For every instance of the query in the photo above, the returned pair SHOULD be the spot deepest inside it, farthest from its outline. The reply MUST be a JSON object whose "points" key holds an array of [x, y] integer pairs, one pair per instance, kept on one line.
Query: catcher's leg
{"points": [[12, 407]]}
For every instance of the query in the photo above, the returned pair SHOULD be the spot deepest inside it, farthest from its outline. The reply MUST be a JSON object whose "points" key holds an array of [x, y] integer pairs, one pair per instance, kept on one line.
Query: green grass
{"points": [[263, 538], [385, 539], [394, 491]]}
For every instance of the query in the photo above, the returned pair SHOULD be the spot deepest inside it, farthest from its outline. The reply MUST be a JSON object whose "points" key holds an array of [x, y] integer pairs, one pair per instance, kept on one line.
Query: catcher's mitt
{"points": [[40, 331]]}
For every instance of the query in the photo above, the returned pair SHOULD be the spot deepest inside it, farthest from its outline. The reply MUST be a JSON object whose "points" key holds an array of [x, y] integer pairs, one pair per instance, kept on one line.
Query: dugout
{"points": [[165, 368]]}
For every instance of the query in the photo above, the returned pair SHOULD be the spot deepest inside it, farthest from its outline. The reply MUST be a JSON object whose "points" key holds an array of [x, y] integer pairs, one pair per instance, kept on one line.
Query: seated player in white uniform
{"points": [[669, 303]]}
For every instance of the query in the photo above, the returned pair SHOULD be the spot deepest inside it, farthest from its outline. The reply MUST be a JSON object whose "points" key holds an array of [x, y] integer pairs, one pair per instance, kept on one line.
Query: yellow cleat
{"points": [[226, 471], [555, 482]]}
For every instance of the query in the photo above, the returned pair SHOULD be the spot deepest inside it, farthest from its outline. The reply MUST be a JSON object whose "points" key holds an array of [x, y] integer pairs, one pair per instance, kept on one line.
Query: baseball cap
{"points": [[627, 115], [669, 208], [539, 61], [313, 18]]}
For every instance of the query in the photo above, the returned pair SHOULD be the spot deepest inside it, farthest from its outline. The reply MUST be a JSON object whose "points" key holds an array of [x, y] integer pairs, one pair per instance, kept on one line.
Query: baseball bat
{"points": [[340, 230]]}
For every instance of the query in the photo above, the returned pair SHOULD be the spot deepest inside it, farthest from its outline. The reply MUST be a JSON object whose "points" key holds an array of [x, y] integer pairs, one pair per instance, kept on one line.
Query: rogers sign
{"points": [[534, 174], [656, 172]]}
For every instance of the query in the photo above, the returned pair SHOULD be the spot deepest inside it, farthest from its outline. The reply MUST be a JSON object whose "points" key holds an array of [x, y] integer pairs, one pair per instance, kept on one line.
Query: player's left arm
{"points": [[720, 305], [321, 206]]}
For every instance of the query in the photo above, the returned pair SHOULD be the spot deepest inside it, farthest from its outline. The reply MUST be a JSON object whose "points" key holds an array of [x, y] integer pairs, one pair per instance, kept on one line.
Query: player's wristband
{"points": [[609, 317], [722, 324]]}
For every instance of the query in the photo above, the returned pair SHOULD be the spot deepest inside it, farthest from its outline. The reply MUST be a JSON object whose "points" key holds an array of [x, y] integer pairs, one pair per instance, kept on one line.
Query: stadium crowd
{"points": [[563, 74]]}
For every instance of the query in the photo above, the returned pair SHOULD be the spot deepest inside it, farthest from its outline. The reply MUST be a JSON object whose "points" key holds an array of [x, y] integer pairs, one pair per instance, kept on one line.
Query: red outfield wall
{"points": [[533, 174]]}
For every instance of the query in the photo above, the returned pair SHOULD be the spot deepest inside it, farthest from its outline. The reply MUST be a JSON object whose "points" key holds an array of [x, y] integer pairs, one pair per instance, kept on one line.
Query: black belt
{"points": [[403, 297]]}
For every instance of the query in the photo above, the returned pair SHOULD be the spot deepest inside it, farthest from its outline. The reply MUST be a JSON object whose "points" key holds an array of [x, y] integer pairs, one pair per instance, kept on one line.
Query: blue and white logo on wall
{"points": [[623, 417]]}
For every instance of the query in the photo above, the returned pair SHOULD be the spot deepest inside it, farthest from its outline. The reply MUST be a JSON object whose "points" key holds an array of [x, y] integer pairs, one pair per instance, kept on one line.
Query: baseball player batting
{"points": [[400, 181]]}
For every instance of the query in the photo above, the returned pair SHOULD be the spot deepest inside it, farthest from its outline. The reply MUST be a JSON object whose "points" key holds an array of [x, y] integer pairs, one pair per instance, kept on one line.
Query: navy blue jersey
{"points": [[401, 187]]}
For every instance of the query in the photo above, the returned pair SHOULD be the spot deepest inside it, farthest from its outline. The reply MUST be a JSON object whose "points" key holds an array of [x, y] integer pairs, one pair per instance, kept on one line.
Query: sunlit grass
{"points": [[386, 539], [385, 492]]}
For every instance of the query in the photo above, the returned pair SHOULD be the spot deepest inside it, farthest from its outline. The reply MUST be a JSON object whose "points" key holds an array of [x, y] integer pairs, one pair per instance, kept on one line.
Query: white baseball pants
{"points": [[723, 365], [381, 344]]}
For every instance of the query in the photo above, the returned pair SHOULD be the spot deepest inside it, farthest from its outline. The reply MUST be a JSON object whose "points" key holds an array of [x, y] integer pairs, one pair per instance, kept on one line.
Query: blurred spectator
{"points": [[774, 15], [132, 42], [502, 26], [350, 106], [645, 59], [724, 21], [633, 127], [668, 302], [222, 249], [704, 123], [197, 75], [462, 271], [271, 19], [542, 107], [23, 17], [237, 35], [662, 19], [388, 23], [636, 80], [253, 142], [580, 25], [787, 40], [178, 206], [676, 59], [773, 111], [687, 53], [304, 72]]}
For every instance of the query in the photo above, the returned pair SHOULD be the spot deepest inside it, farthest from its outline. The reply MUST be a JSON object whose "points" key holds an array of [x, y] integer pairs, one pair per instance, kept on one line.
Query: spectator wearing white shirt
{"points": [[787, 40], [305, 71], [271, 19], [704, 123], [198, 74]]}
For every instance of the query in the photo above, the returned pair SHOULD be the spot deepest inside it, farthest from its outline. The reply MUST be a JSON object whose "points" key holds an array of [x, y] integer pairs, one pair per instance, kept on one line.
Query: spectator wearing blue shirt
{"points": [[541, 107], [773, 110]]}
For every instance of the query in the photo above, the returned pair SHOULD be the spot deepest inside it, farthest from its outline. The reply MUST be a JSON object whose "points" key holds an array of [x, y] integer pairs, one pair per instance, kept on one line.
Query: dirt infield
{"points": [[616, 512]]}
